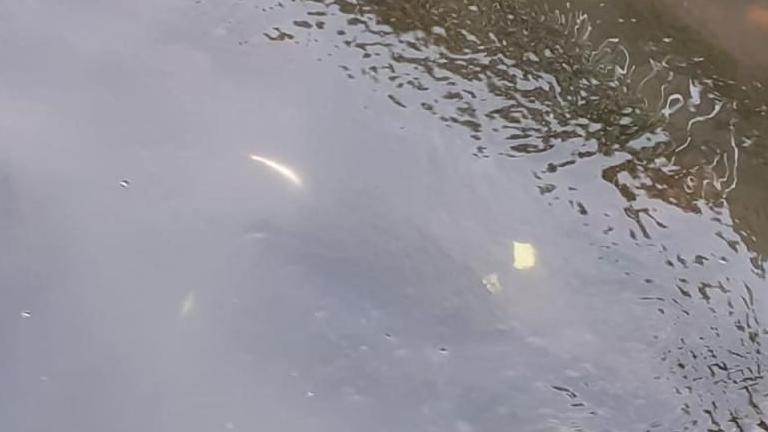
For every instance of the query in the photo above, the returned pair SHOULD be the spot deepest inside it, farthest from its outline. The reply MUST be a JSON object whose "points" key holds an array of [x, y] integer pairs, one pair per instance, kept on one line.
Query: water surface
{"points": [[383, 215]]}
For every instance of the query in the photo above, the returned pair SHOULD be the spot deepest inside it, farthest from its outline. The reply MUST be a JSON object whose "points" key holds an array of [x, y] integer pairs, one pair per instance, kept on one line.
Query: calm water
{"points": [[383, 215]]}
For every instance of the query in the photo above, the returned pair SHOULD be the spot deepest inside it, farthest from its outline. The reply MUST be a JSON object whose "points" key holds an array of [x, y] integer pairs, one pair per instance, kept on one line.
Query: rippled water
{"points": [[470, 215], [643, 106]]}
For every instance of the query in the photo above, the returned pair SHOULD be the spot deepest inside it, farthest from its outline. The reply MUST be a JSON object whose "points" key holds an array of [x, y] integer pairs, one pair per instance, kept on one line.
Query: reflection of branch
{"points": [[669, 110], [655, 68], [603, 48], [715, 111], [735, 162]]}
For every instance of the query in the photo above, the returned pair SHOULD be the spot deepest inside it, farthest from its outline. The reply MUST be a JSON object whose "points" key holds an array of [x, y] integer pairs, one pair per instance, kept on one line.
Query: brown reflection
{"points": [[737, 28], [664, 106], [666, 125], [757, 16]]}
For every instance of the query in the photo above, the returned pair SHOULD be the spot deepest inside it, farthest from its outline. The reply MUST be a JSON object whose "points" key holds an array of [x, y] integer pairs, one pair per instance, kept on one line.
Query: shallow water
{"points": [[383, 215]]}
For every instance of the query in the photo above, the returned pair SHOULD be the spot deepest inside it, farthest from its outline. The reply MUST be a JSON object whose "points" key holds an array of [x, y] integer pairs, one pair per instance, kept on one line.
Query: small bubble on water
{"points": [[443, 350], [26, 314], [124, 183]]}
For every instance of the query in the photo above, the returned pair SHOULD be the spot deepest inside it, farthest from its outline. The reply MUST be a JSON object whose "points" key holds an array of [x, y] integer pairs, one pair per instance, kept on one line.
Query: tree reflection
{"points": [[667, 128], [528, 78]]}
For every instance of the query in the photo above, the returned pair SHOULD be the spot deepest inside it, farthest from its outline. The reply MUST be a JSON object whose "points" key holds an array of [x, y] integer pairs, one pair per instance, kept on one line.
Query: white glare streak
{"points": [[280, 169]]}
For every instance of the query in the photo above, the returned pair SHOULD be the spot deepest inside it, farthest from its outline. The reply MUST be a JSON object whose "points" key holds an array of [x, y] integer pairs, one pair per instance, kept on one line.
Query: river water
{"points": [[383, 215]]}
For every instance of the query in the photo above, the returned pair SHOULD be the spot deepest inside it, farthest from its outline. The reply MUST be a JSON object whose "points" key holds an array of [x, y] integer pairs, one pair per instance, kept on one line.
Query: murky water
{"points": [[383, 215]]}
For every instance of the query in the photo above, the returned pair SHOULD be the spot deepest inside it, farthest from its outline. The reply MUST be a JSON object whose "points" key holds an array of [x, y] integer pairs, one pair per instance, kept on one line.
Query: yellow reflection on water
{"points": [[279, 168], [524, 255]]}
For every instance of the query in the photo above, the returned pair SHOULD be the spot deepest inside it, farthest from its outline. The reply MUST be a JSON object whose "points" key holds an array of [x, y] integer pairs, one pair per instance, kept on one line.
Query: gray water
{"points": [[383, 215]]}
